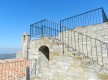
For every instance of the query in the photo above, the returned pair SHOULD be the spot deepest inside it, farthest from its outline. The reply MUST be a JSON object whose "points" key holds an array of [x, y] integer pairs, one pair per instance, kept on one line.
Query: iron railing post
{"points": [[71, 40], [91, 47], [61, 31], [107, 49], [78, 44], [101, 53], [42, 31], [62, 36], [105, 19], [35, 65], [30, 32], [86, 46], [27, 73], [96, 50]]}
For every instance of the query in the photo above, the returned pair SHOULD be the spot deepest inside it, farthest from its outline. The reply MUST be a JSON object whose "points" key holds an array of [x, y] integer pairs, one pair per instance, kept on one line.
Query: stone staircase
{"points": [[91, 41]]}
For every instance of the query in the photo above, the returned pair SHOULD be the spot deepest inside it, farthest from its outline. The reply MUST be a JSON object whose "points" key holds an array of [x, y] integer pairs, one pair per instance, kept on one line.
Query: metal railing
{"points": [[16, 69], [95, 16], [44, 28], [92, 48]]}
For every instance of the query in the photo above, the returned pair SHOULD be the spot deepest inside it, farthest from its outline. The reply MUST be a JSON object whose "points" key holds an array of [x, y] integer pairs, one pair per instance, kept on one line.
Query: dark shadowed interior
{"points": [[45, 50]]}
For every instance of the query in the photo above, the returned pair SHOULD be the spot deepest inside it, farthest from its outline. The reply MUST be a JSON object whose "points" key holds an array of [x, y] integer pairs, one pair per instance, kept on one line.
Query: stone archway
{"points": [[45, 50]]}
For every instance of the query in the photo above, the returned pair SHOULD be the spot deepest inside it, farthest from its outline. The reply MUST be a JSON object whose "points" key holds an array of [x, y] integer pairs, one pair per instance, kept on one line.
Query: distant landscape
{"points": [[7, 56]]}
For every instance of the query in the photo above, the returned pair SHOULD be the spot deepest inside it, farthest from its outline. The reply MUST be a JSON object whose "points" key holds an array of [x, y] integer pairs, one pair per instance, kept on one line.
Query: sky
{"points": [[17, 15]]}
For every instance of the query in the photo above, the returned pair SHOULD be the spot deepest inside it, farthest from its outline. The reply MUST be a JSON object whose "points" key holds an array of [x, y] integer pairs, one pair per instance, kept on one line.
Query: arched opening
{"points": [[45, 50]]}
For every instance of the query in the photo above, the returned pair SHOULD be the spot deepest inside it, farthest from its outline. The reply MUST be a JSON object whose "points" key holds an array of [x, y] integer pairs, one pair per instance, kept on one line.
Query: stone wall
{"points": [[35, 53], [23, 52]]}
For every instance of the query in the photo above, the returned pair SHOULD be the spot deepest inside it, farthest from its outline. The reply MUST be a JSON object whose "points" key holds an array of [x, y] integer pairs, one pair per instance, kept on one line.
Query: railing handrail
{"points": [[38, 22], [91, 37], [52, 28], [82, 13], [68, 29], [44, 20], [84, 35], [92, 17]]}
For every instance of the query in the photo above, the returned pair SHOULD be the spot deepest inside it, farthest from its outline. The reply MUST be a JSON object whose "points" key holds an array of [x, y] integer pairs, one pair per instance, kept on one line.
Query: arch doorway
{"points": [[45, 50]]}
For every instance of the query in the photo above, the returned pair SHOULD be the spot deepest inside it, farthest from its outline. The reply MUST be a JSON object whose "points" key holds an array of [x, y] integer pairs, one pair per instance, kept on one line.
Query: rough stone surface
{"points": [[69, 67]]}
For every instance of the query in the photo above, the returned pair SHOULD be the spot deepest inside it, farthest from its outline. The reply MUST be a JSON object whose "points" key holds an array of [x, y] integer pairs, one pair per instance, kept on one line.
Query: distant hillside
{"points": [[7, 56]]}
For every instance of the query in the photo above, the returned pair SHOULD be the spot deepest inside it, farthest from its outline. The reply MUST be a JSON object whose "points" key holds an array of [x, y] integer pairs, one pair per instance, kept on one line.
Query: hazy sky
{"points": [[17, 15]]}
